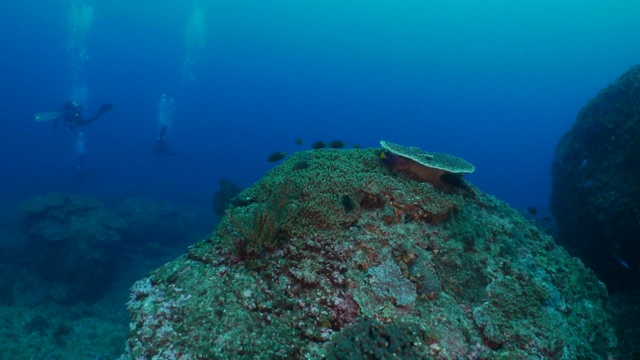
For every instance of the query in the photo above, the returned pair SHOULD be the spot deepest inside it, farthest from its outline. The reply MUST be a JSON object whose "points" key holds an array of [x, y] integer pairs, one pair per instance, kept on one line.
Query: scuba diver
{"points": [[71, 114], [160, 146]]}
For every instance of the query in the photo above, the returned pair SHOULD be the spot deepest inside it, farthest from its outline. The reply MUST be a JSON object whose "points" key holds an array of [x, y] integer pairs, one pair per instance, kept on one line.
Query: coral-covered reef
{"points": [[596, 184], [344, 258]]}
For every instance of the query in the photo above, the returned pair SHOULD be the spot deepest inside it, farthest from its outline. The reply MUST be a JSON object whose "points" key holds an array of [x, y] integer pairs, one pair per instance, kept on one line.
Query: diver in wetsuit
{"points": [[71, 114], [160, 146]]}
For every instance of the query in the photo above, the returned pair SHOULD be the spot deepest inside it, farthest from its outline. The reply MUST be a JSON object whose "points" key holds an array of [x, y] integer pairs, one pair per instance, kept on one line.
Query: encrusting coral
{"points": [[426, 273]]}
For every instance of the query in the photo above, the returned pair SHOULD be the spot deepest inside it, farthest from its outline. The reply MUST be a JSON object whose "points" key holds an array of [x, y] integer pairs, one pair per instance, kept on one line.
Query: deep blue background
{"points": [[494, 82]]}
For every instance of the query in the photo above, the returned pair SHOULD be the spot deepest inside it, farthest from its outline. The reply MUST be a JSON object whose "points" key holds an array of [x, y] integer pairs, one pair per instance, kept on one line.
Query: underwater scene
{"points": [[303, 179]]}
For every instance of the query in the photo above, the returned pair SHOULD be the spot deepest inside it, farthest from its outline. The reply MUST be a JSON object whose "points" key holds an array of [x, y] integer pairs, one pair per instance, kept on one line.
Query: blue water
{"points": [[494, 82]]}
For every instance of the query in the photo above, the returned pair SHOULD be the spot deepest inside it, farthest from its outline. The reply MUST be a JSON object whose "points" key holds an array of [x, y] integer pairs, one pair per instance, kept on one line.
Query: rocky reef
{"points": [[344, 258], [77, 244], [153, 221], [596, 184], [67, 262], [72, 240]]}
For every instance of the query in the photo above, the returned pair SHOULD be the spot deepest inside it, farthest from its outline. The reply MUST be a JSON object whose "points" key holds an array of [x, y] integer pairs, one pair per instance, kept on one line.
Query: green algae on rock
{"points": [[470, 277]]}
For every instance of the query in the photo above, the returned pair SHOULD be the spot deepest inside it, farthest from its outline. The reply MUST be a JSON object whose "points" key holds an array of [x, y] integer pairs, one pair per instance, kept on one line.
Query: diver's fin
{"points": [[105, 108], [46, 116]]}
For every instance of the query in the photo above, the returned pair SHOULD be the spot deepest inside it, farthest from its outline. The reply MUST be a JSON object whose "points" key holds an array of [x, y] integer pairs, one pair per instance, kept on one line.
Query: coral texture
{"points": [[361, 258]]}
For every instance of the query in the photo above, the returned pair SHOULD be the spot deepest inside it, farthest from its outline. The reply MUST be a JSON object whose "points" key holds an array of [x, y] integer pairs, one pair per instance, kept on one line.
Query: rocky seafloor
{"points": [[332, 255], [66, 264]]}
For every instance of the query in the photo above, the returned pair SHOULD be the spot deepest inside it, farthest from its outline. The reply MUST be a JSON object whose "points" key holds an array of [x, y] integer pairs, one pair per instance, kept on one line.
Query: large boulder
{"points": [[596, 184], [343, 258]]}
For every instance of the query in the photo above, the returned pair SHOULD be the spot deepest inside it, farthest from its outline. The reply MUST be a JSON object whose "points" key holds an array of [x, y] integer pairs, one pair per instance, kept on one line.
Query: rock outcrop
{"points": [[596, 184], [343, 258]]}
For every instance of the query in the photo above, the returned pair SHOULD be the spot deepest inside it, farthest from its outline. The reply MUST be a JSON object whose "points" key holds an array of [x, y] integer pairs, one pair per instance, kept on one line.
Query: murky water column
{"points": [[80, 19], [195, 40]]}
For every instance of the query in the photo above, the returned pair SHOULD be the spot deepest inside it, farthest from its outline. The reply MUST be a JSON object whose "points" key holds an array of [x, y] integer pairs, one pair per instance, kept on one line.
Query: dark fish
{"points": [[337, 144], [276, 156], [299, 141], [392, 161], [318, 145], [532, 210]]}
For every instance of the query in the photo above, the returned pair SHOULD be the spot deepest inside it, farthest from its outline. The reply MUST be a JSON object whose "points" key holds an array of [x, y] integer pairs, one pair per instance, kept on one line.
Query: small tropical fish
{"points": [[337, 144], [318, 145], [276, 156], [394, 162]]}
